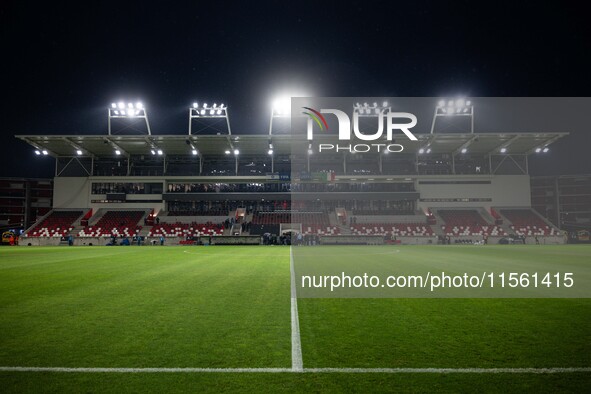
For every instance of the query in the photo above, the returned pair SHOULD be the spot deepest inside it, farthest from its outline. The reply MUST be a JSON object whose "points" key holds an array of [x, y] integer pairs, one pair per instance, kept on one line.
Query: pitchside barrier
{"points": [[215, 240], [352, 240], [375, 240], [256, 240], [237, 240]]}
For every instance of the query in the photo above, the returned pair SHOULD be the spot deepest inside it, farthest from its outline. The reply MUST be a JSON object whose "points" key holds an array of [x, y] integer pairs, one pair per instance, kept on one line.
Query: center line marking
{"points": [[305, 370], [297, 363]]}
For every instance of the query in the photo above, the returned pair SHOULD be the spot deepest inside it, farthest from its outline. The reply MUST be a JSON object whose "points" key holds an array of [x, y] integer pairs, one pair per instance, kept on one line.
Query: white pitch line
{"points": [[304, 370], [144, 370], [449, 370], [297, 363]]}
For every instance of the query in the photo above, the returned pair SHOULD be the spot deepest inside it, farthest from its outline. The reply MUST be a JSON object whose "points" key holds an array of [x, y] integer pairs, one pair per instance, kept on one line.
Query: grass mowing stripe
{"points": [[154, 307], [303, 370]]}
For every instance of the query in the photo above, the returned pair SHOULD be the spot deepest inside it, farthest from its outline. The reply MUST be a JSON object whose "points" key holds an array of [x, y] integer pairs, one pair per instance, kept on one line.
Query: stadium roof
{"points": [[214, 145]]}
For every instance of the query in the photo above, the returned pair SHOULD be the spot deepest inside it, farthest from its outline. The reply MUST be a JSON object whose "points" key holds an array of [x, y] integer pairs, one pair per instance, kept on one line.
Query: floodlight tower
{"points": [[205, 111], [368, 111], [280, 108], [130, 111], [454, 108]]}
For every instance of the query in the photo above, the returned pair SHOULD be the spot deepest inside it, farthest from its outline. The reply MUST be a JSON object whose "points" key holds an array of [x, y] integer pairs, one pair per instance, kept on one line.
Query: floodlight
{"points": [[129, 105], [227, 152], [117, 152], [538, 150], [204, 105], [464, 150], [139, 105], [194, 151], [215, 105], [79, 152], [385, 104], [202, 112], [503, 150], [236, 152], [421, 151], [113, 105], [282, 105], [37, 152], [428, 150], [375, 104], [222, 106], [211, 112], [270, 151], [159, 152], [195, 105], [448, 108], [219, 112], [153, 151], [121, 105], [122, 112], [45, 152], [310, 151], [116, 112], [545, 150]]}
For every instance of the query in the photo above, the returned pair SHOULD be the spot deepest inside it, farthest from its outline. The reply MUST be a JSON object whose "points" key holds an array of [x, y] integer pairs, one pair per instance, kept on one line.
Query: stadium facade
{"points": [[201, 187]]}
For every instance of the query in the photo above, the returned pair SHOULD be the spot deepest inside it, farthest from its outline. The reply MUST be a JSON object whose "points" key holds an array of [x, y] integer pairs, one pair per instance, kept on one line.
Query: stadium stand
{"points": [[312, 222], [185, 230], [336, 194], [526, 222], [196, 212], [395, 229], [120, 223], [57, 224], [466, 222]]}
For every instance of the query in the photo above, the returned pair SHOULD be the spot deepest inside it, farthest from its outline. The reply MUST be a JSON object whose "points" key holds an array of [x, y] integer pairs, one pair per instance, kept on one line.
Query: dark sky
{"points": [[63, 64]]}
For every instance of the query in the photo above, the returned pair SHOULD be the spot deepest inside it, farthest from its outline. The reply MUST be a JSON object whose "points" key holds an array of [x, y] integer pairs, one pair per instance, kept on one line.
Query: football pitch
{"points": [[223, 318]]}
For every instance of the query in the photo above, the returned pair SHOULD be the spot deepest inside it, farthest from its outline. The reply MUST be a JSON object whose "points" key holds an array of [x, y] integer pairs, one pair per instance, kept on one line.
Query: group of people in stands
{"points": [[289, 238]]}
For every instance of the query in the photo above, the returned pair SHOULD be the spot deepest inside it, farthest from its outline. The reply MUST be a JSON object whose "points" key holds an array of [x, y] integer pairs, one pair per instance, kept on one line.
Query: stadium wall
{"points": [[71, 192], [443, 192], [467, 192], [75, 192]]}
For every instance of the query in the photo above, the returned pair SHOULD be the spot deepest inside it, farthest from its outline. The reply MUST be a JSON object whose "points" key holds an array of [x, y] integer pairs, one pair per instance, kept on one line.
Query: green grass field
{"points": [[230, 307]]}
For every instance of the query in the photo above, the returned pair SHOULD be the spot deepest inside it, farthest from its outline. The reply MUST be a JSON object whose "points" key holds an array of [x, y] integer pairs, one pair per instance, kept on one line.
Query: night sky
{"points": [[63, 64]]}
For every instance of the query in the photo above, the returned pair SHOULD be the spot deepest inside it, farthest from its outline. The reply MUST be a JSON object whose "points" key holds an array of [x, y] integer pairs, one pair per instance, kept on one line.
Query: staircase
{"points": [[486, 215], [344, 229], [235, 229], [435, 212], [333, 220], [145, 231], [437, 230], [97, 216]]}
